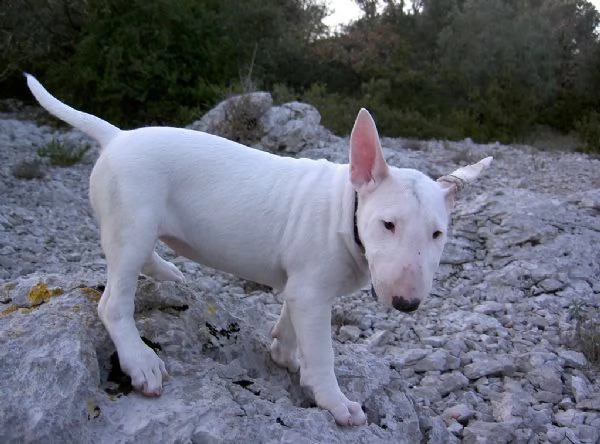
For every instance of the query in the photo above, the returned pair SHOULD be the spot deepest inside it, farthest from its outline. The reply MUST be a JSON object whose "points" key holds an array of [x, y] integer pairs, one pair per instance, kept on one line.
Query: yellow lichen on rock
{"points": [[91, 293], [8, 310], [40, 293]]}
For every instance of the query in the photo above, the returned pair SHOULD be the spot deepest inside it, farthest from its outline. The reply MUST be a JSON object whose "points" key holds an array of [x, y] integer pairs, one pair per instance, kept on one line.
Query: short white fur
{"points": [[286, 223]]}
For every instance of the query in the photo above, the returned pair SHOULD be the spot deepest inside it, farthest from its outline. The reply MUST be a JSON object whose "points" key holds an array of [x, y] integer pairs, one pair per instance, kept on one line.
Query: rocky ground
{"points": [[493, 356]]}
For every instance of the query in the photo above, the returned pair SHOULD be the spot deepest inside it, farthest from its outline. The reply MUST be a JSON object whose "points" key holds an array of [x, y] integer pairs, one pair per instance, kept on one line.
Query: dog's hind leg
{"points": [[284, 348], [161, 270], [127, 250]]}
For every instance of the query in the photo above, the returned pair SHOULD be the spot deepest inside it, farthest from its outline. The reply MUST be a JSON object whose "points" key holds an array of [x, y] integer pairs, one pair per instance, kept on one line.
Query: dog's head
{"points": [[402, 217]]}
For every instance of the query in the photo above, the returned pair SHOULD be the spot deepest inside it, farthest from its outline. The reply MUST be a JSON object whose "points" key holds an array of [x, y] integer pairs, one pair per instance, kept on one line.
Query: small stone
{"points": [[481, 432], [509, 407], [546, 379], [569, 418], [489, 307], [555, 434], [349, 333], [438, 360], [573, 359], [456, 429], [379, 338], [588, 434], [489, 367], [404, 358], [592, 403], [581, 388], [566, 404], [435, 341], [460, 413], [451, 382]]}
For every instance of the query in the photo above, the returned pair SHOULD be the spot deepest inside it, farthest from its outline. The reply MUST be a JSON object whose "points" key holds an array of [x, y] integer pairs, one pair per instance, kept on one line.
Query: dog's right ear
{"points": [[367, 165], [454, 182]]}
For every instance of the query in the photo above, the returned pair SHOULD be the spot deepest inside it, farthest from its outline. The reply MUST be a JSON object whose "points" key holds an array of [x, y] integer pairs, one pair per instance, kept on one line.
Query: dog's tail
{"points": [[93, 126]]}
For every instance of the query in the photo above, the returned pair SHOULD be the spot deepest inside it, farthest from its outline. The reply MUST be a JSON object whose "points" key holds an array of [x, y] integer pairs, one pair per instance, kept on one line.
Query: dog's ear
{"points": [[367, 164], [454, 182]]}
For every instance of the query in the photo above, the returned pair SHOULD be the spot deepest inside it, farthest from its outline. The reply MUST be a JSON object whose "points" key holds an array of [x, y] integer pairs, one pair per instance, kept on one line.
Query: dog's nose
{"points": [[403, 305]]}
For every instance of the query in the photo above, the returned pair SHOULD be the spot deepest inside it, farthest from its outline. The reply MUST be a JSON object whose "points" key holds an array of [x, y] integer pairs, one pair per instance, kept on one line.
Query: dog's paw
{"points": [[349, 413], [162, 270], [283, 357], [177, 275], [146, 370], [345, 412]]}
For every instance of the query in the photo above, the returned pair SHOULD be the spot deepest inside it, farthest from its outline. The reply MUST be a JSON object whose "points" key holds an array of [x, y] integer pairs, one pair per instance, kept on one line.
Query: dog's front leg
{"points": [[311, 319]]}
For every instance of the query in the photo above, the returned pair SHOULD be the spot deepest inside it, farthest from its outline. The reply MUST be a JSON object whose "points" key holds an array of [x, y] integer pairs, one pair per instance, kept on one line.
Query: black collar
{"points": [[356, 235]]}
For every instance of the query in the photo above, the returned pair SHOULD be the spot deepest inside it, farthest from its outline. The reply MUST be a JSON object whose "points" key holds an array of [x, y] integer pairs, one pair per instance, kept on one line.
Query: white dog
{"points": [[312, 229]]}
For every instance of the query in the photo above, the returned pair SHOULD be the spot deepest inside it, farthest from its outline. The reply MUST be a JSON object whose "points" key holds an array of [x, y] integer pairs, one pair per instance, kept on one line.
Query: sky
{"points": [[347, 10], [344, 11]]}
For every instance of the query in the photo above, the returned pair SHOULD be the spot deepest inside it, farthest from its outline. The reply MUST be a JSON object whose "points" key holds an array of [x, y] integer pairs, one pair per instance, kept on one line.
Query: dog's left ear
{"points": [[367, 165], [456, 181]]}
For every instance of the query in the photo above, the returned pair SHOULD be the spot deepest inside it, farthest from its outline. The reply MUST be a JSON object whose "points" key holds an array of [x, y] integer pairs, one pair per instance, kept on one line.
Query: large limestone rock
{"points": [[493, 355], [252, 119], [61, 382]]}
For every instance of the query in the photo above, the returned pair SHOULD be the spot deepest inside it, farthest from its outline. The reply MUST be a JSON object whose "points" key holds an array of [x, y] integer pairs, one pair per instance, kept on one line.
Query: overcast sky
{"points": [[346, 10]]}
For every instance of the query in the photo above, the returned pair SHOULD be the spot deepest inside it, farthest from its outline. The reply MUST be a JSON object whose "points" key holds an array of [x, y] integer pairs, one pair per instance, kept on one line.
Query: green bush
{"points": [[337, 111], [242, 121], [588, 129], [142, 61], [62, 154], [29, 169], [586, 336]]}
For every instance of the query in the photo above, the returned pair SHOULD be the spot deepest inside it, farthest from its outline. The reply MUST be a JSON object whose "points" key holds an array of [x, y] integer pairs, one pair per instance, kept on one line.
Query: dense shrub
{"points": [[588, 128], [158, 61], [485, 69]]}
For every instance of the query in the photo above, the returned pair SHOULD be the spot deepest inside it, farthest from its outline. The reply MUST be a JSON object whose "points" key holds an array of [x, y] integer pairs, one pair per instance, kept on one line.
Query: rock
{"points": [[573, 359], [293, 126], [546, 379], [592, 403], [50, 372], [555, 434], [252, 118], [253, 105], [580, 387], [438, 360], [488, 433], [221, 375], [569, 418], [408, 357], [510, 407], [460, 413], [487, 366], [349, 333], [497, 335]]}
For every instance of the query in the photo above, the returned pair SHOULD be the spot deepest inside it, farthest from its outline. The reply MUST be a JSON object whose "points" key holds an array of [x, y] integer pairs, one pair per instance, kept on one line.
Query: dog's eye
{"points": [[437, 234], [389, 226]]}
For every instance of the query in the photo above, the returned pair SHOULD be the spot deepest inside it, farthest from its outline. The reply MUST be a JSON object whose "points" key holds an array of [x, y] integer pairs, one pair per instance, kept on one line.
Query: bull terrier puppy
{"points": [[312, 230]]}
